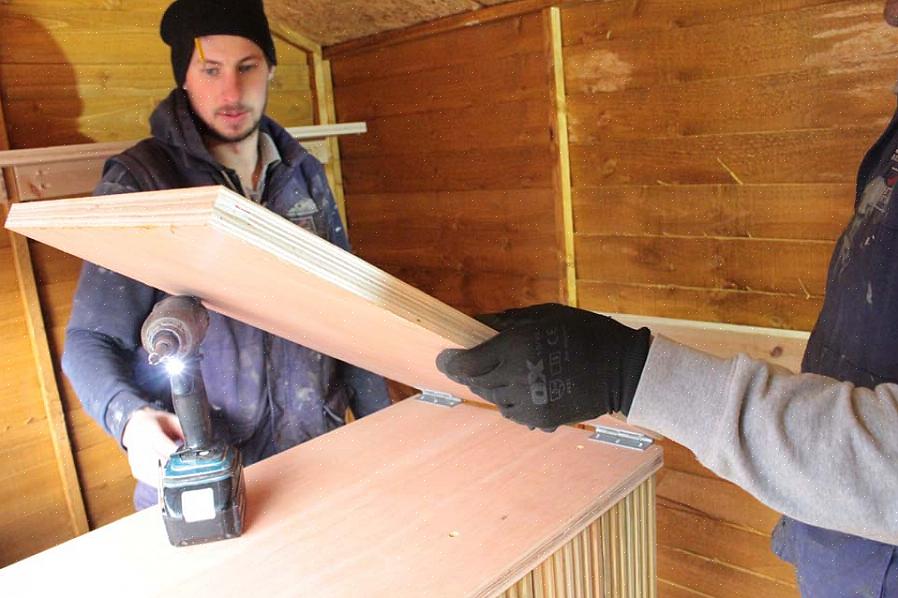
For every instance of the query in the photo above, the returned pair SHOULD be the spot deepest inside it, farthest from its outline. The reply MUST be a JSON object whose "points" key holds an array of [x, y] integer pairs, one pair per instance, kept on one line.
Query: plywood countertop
{"points": [[416, 500]]}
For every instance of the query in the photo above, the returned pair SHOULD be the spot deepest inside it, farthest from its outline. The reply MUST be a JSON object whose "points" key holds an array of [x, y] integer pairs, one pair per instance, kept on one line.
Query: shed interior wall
{"points": [[713, 153]]}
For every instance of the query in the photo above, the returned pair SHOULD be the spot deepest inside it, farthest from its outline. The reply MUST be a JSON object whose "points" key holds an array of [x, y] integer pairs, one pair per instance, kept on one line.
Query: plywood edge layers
{"points": [[344, 270]]}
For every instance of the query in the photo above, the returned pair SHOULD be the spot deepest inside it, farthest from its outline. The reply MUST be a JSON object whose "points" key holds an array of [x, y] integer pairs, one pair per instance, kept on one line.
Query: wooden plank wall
{"points": [[452, 189], [713, 153], [79, 72], [707, 144]]}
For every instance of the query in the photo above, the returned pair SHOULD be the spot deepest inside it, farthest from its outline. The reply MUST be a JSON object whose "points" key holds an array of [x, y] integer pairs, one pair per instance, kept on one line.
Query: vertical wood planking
{"points": [[610, 558]]}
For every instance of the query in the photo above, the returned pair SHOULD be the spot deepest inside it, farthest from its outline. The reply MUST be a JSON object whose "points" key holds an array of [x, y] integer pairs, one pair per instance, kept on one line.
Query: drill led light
{"points": [[174, 366]]}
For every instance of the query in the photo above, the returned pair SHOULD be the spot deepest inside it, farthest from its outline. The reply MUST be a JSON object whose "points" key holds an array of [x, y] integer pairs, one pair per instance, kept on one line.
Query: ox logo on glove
{"points": [[537, 380]]}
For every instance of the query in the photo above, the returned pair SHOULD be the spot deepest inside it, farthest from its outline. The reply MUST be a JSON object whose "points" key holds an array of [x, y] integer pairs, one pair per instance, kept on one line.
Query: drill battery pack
{"points": [[202, 495]]}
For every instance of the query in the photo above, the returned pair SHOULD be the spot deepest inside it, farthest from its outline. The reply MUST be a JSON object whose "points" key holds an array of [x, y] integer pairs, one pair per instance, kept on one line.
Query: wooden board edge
{"points": [[564, 216], [5, 191], [293, 37], [661, 322], [99, 151], [336, 167]]}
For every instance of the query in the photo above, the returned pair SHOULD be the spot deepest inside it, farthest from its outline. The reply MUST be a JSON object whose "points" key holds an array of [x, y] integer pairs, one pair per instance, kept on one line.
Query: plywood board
{"points": [[415, 500], [248, 263], [781, 347]]}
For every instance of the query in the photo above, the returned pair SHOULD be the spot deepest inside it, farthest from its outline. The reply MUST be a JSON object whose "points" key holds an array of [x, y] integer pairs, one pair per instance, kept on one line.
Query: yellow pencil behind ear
{"points": [[199, 49]]}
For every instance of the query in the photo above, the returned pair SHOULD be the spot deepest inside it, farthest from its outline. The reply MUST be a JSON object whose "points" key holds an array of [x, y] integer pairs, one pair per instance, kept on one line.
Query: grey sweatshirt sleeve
{"points": [[816, 449], [103, 334]]}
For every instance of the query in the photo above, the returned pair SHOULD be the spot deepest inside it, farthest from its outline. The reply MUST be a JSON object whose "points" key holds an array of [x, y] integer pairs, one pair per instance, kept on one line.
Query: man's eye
{"points": [[245, 68], [211, 72]]}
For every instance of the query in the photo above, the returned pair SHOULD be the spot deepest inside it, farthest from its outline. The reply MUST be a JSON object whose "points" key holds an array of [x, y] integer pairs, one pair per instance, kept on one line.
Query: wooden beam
{"points": [[331, 128], [87, 151], [62, 446], [43, 361], [319, 88], [564, 214], [781, 347], [333, 143], [324, 117], [320, 148], [323, 113], [4, 145], [292, 36], [62, 153]]}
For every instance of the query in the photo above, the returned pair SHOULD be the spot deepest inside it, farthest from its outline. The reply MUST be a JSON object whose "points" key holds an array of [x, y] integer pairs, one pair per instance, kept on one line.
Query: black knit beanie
{"points": [[186, 20]]}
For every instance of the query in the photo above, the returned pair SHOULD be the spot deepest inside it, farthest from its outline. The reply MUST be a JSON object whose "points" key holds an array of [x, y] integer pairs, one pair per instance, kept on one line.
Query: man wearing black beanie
{"points": [[268, 394]]}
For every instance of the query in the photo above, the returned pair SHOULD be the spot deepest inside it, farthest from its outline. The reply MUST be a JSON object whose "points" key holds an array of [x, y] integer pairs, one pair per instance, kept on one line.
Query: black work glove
{"points": [[552, 364]]}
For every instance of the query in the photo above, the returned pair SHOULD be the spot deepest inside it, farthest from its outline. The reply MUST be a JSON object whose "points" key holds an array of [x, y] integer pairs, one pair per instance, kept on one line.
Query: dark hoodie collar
{"points": [[172, 123]]}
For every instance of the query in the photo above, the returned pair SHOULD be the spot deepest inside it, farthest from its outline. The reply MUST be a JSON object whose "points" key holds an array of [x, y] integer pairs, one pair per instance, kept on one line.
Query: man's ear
{"points": [[271, 72]]}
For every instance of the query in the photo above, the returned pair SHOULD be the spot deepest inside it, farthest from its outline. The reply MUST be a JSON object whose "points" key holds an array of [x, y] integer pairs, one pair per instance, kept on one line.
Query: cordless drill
{"points": [[202, 490]]}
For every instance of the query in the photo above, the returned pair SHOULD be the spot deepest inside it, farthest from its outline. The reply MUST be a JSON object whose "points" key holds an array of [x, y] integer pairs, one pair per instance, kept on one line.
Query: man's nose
{"points": [[231, 89]]}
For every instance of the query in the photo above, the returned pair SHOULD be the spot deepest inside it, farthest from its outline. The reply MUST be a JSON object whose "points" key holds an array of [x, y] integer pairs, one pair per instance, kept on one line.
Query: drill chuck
{"points": [[174, 329]]}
